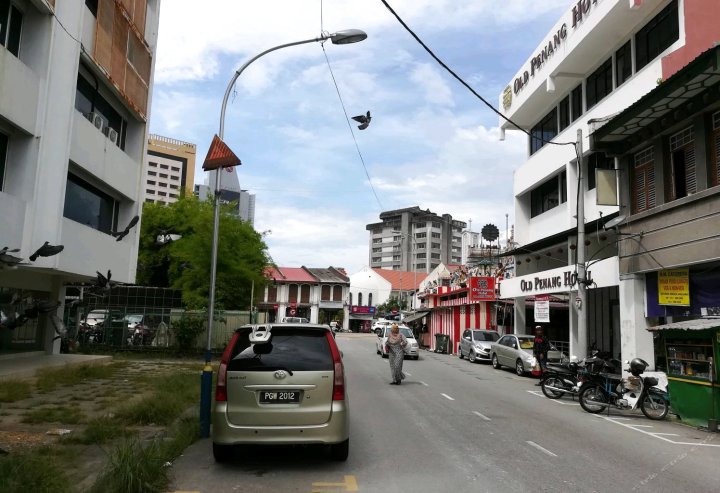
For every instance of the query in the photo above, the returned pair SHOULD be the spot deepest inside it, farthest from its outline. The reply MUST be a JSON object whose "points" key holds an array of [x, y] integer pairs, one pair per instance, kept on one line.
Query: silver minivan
{"points": [[281, 384]]}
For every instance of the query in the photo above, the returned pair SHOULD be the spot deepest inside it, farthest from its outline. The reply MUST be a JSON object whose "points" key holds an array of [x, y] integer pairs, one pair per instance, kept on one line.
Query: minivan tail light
{"points": [[338, 369], [221, 387]]}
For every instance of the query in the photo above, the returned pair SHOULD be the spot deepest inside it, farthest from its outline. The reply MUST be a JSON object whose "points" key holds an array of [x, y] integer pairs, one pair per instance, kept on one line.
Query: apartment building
{"points": [[599, 58], [169, 169], [411, 239], [75, 88]]}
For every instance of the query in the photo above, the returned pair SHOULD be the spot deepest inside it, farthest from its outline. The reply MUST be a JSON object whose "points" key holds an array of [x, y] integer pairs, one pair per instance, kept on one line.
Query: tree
{"points": [[185, 263], [393, 303]]}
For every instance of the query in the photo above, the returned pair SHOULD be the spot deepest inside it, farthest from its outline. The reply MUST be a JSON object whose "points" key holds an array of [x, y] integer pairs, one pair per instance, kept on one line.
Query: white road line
{"points": [[447, 397], [408, 373], [667, 434], [482, 416], [542, 449], [657, 435], [641, 426], [426, 385], [556, 401]]}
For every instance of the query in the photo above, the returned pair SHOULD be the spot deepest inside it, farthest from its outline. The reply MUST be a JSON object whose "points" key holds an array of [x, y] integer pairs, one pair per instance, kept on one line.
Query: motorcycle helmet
{"points": [[637, 366]]}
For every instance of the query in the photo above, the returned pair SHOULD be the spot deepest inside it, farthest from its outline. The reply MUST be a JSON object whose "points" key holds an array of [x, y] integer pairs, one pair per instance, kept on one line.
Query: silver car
{"points": [[476, 343], [281, 384], [412, 350], [516, 351]]}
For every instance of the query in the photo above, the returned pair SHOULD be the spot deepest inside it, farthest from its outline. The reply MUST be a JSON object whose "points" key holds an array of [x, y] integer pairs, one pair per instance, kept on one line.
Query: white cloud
{"points": [[432, 84]]}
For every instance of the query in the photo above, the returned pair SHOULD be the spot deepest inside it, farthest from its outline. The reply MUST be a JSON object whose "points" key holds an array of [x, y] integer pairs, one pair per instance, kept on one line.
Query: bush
{"points": [[187, 329]]}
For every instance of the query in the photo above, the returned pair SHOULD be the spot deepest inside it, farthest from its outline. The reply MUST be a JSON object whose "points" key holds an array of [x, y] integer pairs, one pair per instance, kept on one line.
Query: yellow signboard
{"points": [[674, 287]]}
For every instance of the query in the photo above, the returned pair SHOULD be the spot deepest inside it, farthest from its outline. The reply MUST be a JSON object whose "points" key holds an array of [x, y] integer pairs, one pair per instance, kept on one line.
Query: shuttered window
{"points": [[337, 293], [715, 144], [272, 293], [325, 292], [643, 184], [305, 293], [682, 153], [293, 293]]}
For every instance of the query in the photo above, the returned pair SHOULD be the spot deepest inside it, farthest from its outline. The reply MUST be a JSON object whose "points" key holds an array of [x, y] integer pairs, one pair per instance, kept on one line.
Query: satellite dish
{"points": [[612, 223]]}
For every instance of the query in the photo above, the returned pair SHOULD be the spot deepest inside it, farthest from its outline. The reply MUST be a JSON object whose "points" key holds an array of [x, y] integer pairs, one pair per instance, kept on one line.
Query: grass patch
{"points": [[136, 467], [172, 395], [69, 415], [35, 471], [98, 431], [14, 390], [51, 378]]}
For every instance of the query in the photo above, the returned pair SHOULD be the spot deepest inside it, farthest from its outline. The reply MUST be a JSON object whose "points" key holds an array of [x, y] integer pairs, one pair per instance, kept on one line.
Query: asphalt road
{"points": [[454, 425]]}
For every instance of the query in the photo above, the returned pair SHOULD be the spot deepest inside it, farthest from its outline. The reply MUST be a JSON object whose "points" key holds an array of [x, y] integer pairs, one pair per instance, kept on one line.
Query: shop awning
{"points": [[416, 316], [697, 324]]}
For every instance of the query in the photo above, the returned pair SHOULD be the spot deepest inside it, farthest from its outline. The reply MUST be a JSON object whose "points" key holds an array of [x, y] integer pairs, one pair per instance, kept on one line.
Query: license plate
{"points": [[279, 397]]}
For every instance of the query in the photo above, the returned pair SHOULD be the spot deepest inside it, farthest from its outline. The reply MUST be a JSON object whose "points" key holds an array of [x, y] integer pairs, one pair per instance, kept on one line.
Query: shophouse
{"points": [[598, 59], [75, 88], [667, 146], [318, 295]]}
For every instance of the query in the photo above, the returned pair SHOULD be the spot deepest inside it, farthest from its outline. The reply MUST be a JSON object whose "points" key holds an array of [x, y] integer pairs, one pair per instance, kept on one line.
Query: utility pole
{"points": [[580, 305]]}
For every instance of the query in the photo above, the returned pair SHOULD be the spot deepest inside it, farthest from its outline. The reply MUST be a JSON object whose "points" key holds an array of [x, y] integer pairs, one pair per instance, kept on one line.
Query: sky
{"points": [[430, 143]]}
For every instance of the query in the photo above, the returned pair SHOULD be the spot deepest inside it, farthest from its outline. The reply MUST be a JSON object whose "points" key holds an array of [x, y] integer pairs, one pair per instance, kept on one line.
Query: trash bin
{"points": [[441, 343]]}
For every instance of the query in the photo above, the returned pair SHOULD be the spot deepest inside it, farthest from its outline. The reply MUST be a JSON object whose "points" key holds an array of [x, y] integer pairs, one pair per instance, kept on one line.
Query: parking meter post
{"points": [[205, 397]]}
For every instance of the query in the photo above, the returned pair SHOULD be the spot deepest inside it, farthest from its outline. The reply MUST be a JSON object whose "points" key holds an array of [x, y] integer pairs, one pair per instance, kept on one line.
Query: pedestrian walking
{"points": [[395, 348], [540, 348]]}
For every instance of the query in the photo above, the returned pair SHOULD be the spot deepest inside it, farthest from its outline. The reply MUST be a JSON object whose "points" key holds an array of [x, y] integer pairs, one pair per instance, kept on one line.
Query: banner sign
{"points": [[363, 310], [674, 287], [542, 308], [482, 289]]}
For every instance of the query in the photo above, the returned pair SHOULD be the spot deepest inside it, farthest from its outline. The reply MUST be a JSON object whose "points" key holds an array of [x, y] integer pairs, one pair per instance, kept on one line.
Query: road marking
{"points": [[616, 420], [350, 484], [408, 373], [667, 434], [556, 401], [447, 397], [641, 426], [426, 385], [482, 416], [542, 449]]}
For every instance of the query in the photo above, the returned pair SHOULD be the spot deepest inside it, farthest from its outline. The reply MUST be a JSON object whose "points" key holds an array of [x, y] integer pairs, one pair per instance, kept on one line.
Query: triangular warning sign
{"points": [[220, 156]]}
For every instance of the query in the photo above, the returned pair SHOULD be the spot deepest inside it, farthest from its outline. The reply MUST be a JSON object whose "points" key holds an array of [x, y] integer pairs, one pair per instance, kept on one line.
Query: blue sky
{"points": [[431, 142]]}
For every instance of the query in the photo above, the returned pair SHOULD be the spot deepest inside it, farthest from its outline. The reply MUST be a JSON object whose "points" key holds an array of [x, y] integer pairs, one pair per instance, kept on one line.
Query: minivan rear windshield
{"points": [[288, 349]]}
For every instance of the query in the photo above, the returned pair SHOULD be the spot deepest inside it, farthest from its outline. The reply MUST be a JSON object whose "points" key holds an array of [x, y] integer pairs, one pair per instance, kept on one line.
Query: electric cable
{"points": [[347, 120]]}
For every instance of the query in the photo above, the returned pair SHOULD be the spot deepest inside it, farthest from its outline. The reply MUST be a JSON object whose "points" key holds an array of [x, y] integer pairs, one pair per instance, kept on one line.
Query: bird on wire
{"points": [[119, 235], [363, 120], [47, 250]]}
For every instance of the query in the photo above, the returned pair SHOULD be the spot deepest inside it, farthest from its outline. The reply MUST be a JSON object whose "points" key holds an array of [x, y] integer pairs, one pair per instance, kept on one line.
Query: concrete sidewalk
{"points": [[24, 365]]}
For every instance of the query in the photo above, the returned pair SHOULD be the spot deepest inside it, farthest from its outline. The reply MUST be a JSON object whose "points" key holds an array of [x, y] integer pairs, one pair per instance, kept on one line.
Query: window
{"points": [[597, 160], [420, 266], [420, 235], [337, 293], [89, 206], [377, 250], [175, 178], [420, 246], [548, 195], [435, 256], [293, 293], [623, 64], [162, 184], [150, 201], [163, 175], [714, 144], [10, 26], [360, 299], [152, 165], [396, 257], [293, 349], [657, 35], [174, 187], [457, 260], [151, 182], [174, 195], [436, 235], [576, 103], [421, 255], [682, 159], [564, 113], [432, 266], [272, 293], [152, 173], [150, 191], [89, 101], [643, 181], [434, 245], [599, 84], [174, 168], [377, 241], [164, 166], [350, 299], [325, 293], [369, 299], [3, 156], [543, 132], [376, 260]]}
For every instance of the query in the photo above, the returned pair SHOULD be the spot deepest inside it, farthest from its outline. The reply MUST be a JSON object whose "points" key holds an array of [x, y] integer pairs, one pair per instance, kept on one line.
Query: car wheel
{"points": [[340, 451], [519, 368], [472, 357], [495, 362], [222, 453], [460, 354]]}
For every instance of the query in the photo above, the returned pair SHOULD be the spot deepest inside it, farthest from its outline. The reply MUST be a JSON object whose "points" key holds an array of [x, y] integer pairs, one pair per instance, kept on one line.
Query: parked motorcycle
{"points": [[602, 390], [569, 376]]}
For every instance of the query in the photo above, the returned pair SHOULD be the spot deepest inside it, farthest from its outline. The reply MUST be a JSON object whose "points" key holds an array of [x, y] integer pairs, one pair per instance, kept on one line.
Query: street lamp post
{"points": [[339, 38]]}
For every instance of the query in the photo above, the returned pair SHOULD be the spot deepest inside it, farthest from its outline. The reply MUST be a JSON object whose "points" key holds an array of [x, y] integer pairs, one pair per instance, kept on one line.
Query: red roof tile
{"points": [[408, 278], [290, 274]]}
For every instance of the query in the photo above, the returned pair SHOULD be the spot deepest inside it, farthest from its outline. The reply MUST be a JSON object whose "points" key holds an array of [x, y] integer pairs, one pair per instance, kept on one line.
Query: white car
{"points": [[412, 349]]}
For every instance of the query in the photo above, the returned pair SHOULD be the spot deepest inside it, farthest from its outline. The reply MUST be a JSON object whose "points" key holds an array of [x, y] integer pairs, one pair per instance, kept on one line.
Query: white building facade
{"points": [[75, 87], [599, 58]]}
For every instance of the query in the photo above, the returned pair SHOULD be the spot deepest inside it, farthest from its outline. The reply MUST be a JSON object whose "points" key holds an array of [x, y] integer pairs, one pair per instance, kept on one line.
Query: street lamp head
{"points": [[348, 36]]}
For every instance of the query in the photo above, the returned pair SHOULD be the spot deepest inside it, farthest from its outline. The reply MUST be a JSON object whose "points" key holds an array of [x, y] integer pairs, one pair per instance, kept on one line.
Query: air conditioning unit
{"points": [[113, 135], [97, 120]]}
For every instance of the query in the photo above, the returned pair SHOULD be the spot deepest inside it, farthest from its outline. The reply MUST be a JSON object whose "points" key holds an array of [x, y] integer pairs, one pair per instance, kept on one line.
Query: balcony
{"points": [[19, 92]]}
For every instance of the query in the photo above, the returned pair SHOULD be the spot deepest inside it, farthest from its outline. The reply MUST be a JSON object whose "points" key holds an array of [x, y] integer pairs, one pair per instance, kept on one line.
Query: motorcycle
{"points": [[603, 390], [569, 376]]}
